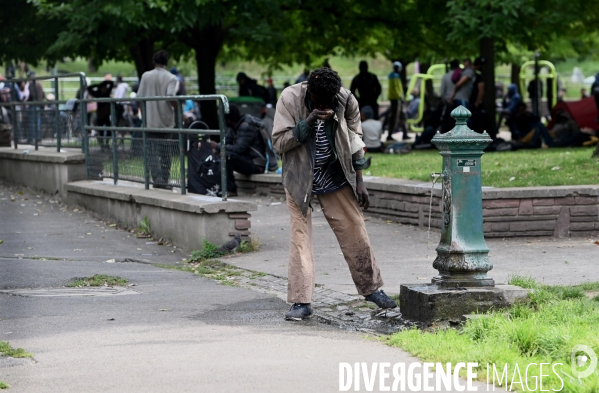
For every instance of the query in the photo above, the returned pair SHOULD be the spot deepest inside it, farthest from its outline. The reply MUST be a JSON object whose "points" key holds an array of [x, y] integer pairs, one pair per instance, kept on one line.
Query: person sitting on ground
{"points": [[250, 87], [528, 129], [372, 129], [246, 152], [565, 132], [412, 111], [509, 110]]}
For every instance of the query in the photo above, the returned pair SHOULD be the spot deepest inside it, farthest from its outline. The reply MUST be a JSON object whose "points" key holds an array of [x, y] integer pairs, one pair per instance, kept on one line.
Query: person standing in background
{"points": [[368, 89], [160, 114], [395, 94]]}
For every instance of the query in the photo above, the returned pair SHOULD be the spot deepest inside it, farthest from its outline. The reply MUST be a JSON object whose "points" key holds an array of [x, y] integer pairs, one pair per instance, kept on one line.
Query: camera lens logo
{"points": [[583, 361]]}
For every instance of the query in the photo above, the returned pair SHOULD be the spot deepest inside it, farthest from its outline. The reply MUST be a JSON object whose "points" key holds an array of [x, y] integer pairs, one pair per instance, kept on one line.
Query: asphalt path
{"points": [[169, 331]]}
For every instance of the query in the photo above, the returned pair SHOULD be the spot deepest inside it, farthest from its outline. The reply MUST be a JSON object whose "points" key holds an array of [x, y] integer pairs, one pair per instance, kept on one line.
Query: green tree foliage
{"points": [[24, 33]]}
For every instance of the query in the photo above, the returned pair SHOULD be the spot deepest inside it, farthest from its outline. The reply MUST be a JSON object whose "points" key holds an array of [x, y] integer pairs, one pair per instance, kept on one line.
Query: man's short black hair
{"points": [[455, 63], [324, 82], [160, 57]]}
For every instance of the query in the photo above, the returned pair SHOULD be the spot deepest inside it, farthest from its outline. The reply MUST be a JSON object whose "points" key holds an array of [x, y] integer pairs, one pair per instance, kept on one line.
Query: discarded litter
{"points": [[111, 261]]}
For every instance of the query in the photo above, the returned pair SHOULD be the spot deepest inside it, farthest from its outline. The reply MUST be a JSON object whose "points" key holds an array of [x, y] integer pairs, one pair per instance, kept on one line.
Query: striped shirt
{"points": [[323, 182]]}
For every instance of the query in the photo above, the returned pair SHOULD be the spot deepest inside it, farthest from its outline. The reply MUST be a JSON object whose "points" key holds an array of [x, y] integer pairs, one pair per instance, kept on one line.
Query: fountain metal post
{"points": [[462, 286], [462, 255]]}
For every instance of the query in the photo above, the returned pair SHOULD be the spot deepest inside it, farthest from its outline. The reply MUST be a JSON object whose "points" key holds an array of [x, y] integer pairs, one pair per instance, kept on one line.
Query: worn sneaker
{"points": [[298, 312], [381, 299]]}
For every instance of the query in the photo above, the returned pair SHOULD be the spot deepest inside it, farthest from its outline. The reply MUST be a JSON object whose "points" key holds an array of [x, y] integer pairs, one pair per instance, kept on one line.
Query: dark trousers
{"points": [[393, 118], [242, 164], [160, 156]]}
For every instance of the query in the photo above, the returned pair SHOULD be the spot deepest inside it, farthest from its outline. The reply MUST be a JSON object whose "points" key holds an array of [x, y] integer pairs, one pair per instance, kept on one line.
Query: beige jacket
{"points": [[298, 158]]}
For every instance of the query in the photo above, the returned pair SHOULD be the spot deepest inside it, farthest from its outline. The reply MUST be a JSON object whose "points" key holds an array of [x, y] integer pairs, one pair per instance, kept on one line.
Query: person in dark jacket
{"points": [[245, 146], [509, 110], [250, 87], [367, 89]]}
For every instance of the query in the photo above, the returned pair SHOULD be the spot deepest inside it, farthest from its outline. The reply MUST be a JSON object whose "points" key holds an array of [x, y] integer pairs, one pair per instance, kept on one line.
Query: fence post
{"points": [[13, 110], [83, 120], [115, 162], [57, 117], [179, 120], [35, 127], [223, 152], [83, 113], [144, 123]]}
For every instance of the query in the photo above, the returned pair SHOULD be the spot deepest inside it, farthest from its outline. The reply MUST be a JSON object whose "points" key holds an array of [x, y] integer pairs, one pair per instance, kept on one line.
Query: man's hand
{"points": [[363, 198], [318, 114]]}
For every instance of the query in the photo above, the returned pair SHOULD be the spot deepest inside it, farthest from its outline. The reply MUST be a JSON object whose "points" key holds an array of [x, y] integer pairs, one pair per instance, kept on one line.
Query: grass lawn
{"points": [[542, 329], [527, 167]]}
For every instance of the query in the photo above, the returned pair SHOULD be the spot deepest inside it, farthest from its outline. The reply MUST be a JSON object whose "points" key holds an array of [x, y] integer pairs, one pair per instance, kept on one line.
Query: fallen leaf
{"points": [[556, 168], [112, 225], [163, 309], [139, 249], [597, 242]]}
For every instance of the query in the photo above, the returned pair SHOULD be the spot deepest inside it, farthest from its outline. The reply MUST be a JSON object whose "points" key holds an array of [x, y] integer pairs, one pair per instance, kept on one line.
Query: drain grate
{"points": [[61, 292]]}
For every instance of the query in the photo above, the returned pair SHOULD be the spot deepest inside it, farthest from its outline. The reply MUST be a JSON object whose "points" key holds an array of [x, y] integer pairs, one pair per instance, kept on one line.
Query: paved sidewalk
{"points": [[406, 254], [171, 332]]}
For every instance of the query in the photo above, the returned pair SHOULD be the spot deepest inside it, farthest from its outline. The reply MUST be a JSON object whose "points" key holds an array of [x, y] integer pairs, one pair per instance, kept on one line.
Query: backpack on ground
{"points": [[204, 174], [270, 158]]}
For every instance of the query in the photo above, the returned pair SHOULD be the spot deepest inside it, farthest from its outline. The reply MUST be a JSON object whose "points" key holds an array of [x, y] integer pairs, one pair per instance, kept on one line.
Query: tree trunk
{"points": [[515, 74], [430, 92], [487, 50], [207, 44], [142, 53]]}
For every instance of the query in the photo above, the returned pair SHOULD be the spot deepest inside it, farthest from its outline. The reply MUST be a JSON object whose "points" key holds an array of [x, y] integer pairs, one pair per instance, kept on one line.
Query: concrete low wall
{"points": [[560, 211], [43, 170], [182, 219]]}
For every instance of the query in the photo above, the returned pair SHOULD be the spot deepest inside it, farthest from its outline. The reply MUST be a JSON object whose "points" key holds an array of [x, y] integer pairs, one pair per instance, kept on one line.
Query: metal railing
{"points": [[120, 157], [44, 122]]}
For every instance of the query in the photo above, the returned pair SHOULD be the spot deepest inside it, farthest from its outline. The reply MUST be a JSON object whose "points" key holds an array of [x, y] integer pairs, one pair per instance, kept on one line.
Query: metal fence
{"points": [[152, 156], [37, 122]]}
